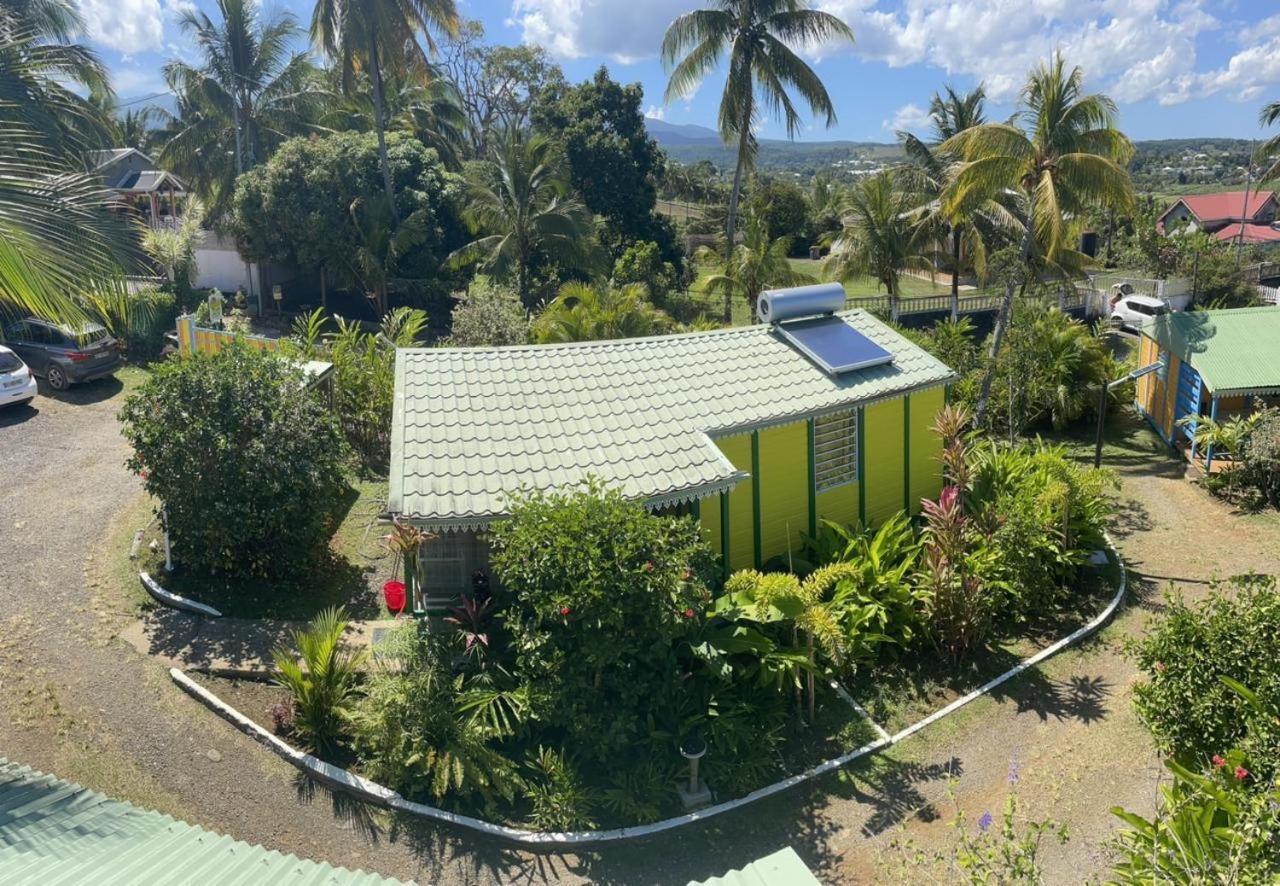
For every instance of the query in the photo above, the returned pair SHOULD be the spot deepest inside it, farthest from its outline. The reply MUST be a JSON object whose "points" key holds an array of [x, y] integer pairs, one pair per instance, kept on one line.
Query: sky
{"points": [[1176, 68]]}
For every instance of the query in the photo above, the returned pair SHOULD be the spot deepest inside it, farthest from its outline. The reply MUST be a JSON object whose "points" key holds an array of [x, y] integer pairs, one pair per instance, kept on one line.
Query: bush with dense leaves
{"points": [[600, 591], [1259, 468], [488, 315], [248, 466], [1234, 633]]}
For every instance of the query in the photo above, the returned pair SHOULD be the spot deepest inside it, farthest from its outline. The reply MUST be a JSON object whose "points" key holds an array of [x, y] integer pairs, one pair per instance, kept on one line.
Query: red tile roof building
{"points": [[1225, 214]]}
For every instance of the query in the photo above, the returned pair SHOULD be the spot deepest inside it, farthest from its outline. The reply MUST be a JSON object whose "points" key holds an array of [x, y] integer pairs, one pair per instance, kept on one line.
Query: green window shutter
{"points": [[906, 454], [724, 534], [862, 464]]}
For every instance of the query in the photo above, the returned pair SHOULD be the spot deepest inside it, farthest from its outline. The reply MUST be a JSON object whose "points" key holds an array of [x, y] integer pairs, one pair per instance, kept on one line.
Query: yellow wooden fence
{"points": [[194, 339]]}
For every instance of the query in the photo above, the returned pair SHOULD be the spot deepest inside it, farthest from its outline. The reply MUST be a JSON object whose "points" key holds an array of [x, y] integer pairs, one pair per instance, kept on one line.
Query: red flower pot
{"points": [[394, 593]]}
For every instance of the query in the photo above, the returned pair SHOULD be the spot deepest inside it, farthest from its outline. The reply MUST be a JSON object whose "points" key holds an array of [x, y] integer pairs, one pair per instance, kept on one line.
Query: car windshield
{"points": [[9, 361]]}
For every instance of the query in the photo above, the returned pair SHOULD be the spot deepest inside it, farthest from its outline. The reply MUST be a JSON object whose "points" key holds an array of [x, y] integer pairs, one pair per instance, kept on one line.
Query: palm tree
{"points": [[380, 37], [928, 173], [249, 93], [57, 241], [758, 35], [880, 236], [525, 210], [1061, 155], [1269, 151], [380, 245], [582, 312], [430, 111], [751, 267]]}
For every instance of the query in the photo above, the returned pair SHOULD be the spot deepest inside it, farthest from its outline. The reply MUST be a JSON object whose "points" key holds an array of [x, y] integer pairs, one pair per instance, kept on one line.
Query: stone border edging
{"points": [[371, 792], [174, 601]]}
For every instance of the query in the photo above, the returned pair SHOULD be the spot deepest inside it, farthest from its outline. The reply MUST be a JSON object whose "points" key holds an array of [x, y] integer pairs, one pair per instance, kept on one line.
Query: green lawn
{"points": [[861, 287]]}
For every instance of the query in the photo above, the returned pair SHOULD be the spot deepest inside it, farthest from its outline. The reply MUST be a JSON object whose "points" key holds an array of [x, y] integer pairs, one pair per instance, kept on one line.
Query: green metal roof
{"points": [[782, 868], [1235, 352], [53, 832], [473, 425]]}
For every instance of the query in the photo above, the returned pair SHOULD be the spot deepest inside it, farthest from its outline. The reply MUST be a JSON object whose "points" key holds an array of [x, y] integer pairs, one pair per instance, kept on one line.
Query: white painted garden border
{"points": [[175, 601], [364, 789]]}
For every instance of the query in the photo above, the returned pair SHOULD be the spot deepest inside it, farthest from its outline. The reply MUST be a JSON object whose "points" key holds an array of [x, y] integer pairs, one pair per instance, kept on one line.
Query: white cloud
{"points": [[124, 25], [908, 118], [1133, 49], [655, 112], [621, 31]]}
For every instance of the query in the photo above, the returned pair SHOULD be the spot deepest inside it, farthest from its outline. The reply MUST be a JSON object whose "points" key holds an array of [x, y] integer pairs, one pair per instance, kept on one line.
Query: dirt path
{"points": [[77, 701]]}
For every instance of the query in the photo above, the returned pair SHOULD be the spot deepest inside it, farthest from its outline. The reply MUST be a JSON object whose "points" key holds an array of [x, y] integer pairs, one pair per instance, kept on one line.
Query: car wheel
{"points": [[56, 377]]}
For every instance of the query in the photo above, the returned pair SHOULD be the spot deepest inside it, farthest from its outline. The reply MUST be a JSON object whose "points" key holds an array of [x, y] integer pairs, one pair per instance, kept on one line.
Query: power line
{"points": [[145, 98]]}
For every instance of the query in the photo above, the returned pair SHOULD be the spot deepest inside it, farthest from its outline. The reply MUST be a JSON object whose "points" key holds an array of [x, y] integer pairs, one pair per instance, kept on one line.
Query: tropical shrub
{"points": [[138, 320], [1259, 467], [321, 675], [364, 369], [428, 733], [603, 590], [1042, 514], [560, 800], [1192, 714], [642, 262], [581, 312], [488, 315], [247, 466], [1208, 829]]}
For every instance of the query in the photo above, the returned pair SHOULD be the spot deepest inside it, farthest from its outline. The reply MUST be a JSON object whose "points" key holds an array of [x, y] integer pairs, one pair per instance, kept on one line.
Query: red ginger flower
{"points": [[1241, 773], [689, 613], [1218, 762], [565, 610]]}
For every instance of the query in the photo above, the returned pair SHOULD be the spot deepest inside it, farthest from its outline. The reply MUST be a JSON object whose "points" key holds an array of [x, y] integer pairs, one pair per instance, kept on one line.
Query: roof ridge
{"points": [[607, 343]]}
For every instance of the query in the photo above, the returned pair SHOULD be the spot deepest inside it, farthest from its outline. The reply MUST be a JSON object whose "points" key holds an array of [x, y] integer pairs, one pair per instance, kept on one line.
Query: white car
{"points": [[17, 384], [1132, 311]]}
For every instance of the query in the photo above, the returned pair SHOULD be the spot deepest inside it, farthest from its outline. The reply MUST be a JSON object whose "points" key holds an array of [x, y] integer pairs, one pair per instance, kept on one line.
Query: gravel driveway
{"points": [[78, 702]]}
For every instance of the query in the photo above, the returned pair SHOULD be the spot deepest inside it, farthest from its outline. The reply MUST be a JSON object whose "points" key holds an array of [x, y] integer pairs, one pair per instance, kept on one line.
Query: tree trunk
{"points": [[379, 125], [894, 308], [731, 224], [955, 273], [1002, 319]]}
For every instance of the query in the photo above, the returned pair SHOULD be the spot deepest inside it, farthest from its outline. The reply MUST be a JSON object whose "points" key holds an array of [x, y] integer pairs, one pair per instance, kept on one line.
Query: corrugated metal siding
{"points": [[884, 460], [784, 489], [741, 518], [53, 832], [926, 447]]}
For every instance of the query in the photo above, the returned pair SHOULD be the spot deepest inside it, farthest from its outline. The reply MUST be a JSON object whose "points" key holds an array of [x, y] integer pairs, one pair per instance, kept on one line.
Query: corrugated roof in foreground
{"points": [[781, 868], [473, 425], [53, 832], [1235, 351]]}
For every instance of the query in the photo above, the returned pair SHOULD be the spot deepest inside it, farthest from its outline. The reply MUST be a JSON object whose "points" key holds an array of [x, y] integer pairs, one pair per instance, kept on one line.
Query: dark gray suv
{"points": [[61, 355]]}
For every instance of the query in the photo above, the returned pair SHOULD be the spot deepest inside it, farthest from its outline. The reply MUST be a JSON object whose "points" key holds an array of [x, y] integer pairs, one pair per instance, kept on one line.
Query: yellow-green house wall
{"points": [[898, 466]]}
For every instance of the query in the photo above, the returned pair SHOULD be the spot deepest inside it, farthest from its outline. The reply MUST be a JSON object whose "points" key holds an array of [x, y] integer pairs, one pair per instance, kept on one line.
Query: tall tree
{"points": [[499, 85], [525, 210], [966, 228], [752, 266], [430, 111], [880, 236], [758, 36], [378, 38], [247, 94], [1061, 155], [56, 236], [612, 162]]}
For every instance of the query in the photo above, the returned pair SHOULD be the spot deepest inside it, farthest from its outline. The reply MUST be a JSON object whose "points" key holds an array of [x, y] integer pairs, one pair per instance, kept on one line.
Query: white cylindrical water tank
{"points": [[776, 305]]}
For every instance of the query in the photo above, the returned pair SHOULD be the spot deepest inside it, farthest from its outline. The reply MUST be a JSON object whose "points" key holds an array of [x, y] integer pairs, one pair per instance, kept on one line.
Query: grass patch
{"points": [[899, 693], [349, 574]]}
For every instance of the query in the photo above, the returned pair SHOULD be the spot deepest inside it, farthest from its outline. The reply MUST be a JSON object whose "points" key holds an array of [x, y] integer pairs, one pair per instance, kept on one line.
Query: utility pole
{"points": [[1244, 210]]}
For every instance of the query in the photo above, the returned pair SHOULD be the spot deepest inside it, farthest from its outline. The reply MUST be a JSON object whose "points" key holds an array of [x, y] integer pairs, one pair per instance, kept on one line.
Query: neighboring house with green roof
{"points": [[740, 427], [1216, 364], [52, 831]]}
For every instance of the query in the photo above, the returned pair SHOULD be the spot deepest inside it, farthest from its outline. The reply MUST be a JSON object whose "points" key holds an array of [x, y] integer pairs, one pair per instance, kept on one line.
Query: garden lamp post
{"points": [[693, 749], [1103, 390]]}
